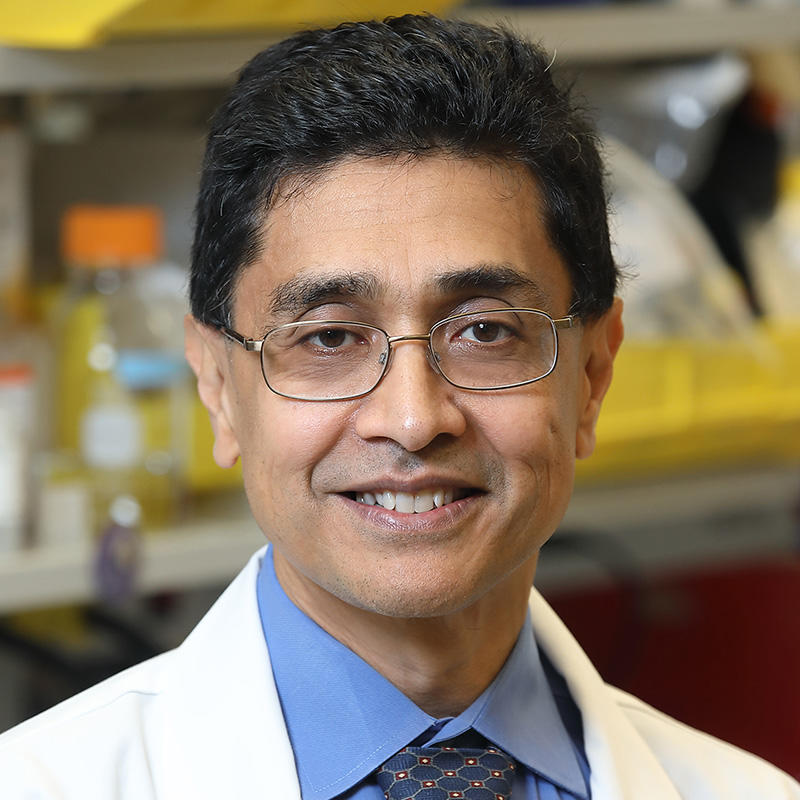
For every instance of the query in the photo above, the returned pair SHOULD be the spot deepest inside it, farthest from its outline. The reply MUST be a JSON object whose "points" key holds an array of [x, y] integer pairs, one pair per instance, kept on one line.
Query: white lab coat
{"points": [[203, 722]]}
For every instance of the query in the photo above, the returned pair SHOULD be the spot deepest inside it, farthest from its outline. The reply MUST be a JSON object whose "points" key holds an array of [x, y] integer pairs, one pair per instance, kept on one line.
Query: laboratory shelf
{"points": [[195, 554], [625, 31], [677, 522], [613, 32]]}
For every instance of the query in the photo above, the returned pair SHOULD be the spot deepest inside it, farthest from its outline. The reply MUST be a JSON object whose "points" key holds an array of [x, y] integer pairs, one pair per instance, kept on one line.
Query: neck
{"points": [[444, 662]]}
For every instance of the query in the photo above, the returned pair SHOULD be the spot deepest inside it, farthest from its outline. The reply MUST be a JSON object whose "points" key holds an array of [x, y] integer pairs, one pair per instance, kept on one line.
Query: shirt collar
{"points": [[366, 719]]}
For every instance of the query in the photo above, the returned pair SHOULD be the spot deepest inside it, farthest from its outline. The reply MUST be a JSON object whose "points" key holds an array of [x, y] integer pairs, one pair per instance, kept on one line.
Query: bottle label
{"points": [[111, 436], [143, 369]]}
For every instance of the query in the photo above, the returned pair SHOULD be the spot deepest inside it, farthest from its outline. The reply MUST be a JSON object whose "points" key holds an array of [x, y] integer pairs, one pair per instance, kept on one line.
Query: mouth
{"points": [[412, 502]]}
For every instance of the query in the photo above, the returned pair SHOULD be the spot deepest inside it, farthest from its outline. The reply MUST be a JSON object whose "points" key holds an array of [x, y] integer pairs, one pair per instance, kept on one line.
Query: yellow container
{"points": [[681, 404], [81, 23]]}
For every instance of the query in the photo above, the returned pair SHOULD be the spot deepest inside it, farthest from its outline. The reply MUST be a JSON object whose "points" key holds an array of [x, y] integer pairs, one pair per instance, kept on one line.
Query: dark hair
{"points": [[412, 85]]}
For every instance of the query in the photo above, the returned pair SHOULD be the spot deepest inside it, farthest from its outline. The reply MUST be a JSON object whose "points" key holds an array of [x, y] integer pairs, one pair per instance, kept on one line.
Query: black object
{"points": [[741, 184]]}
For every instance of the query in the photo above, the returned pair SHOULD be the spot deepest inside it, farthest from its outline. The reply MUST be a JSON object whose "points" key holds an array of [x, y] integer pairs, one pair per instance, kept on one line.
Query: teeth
{"points": [[406, 502], [388, 500], [423, 501]]}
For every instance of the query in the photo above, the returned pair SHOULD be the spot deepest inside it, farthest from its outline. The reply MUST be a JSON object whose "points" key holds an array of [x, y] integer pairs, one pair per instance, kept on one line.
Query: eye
{"points": [[485, 332], [332, 338]]}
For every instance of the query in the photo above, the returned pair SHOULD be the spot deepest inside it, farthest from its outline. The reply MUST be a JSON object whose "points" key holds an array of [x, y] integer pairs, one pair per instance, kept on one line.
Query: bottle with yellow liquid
{"points": [[121, 374]]}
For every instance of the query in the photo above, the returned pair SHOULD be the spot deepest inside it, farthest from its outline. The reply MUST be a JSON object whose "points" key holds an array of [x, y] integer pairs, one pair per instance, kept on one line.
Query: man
{"points": [[403, 324]]}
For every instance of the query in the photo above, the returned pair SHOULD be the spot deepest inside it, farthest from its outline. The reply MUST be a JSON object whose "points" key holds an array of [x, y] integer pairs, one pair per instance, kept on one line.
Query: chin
{"points": [[408, 598]]}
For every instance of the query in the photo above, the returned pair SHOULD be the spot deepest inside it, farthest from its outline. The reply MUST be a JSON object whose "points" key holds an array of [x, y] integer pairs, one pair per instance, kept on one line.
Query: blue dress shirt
{"points": [[345, 719]]}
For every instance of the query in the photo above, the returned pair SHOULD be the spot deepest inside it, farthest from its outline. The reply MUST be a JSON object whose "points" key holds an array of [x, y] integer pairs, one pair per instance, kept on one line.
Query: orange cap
{"points": [[120, 236], [16, 373]]}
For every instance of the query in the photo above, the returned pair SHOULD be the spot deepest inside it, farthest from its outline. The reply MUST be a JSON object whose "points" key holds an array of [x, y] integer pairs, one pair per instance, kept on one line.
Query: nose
{"points": [[413, 404]]}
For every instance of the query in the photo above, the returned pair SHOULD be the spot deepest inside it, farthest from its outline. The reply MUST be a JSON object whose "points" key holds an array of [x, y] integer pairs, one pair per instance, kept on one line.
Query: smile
{"points": [[411, 503]]}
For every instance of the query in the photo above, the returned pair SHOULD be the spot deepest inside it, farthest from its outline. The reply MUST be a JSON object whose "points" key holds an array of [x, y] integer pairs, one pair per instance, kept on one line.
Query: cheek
{"points": [[535, 439], [281, 443], [533, 432]]}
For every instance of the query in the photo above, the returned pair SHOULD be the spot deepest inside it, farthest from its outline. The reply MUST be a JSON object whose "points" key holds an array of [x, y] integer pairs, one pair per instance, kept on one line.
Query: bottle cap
{"points": [[125, 511], [16, 373], [111, 236]]}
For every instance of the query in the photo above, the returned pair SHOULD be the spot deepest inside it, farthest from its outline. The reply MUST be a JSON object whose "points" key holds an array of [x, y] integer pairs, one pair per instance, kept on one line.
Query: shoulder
{"points": [[700, 765], [117, 722]]}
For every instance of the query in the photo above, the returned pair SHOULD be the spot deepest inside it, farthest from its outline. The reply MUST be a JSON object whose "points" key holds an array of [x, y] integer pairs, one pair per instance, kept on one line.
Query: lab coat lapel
{"points": [[226, 734], [623, 766]]}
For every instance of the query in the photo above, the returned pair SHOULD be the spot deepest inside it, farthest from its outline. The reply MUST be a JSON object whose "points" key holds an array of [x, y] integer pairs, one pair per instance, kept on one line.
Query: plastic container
{"points": [[121, 372], [23, 425]]}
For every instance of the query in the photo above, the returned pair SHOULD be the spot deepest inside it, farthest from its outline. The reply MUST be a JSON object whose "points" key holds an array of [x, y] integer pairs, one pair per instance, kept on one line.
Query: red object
{"points": [[16, 373], [717, 649]]}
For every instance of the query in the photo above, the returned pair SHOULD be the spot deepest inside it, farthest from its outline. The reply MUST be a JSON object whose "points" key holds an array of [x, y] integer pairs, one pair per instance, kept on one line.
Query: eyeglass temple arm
{"points": [[565, 322], [248, 344]]}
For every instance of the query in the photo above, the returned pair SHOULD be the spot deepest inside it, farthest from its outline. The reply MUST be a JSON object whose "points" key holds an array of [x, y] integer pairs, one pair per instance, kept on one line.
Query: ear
{"points": [[602, 339], [205, 353]]}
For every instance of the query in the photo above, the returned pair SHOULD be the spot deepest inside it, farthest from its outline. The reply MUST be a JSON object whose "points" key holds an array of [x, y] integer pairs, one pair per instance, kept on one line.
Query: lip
{"points": [[436, 520]]}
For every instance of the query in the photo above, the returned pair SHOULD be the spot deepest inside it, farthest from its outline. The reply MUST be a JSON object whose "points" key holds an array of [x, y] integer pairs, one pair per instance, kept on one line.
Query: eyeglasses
{"points": [[481, 351]]}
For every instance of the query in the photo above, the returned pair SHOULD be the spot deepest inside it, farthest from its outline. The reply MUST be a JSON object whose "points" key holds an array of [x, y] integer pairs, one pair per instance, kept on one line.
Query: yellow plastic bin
{"points": [[677, 404]]}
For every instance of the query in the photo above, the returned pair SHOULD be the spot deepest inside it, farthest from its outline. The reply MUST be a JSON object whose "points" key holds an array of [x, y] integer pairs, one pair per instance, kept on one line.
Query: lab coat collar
{"points": [[623, 767], [225, 735], [228, 738]]}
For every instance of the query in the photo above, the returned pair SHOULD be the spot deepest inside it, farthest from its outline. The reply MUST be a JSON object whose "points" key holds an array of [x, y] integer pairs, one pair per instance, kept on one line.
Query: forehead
{"points": [[404, 233]]}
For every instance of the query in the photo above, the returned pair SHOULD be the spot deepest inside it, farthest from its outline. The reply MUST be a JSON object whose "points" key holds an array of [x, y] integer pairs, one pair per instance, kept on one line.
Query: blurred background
{"points": [[678, 565]]}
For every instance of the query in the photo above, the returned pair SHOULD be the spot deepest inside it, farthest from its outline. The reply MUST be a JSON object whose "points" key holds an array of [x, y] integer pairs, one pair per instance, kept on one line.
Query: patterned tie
{"points": [[444, 773]]}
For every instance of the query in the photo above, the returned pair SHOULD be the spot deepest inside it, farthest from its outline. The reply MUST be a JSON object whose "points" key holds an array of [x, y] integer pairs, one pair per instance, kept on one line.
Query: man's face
{"points": [[400, 245]]}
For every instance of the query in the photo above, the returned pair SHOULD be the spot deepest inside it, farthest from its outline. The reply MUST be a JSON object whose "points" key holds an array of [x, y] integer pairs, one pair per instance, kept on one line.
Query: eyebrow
{"points": [[305, 291], [488, 278]]}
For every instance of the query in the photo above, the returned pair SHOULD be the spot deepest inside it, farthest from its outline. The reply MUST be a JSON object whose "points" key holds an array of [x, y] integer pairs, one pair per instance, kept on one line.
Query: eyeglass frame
{"points": [[256, 345]]}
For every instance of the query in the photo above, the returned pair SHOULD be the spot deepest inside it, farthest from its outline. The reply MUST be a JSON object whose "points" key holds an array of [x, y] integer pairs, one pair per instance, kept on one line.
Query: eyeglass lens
{"points": [[328, 360]]}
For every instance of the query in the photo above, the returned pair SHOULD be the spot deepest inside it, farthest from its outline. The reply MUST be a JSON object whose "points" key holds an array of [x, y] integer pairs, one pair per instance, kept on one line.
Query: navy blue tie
{"points": [[446, 773]]}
